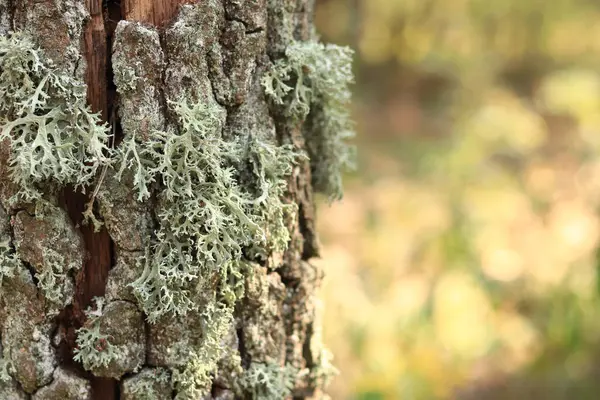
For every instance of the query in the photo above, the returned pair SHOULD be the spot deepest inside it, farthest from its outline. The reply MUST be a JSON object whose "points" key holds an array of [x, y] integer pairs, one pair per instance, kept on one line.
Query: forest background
{"points": [[463, 260]]}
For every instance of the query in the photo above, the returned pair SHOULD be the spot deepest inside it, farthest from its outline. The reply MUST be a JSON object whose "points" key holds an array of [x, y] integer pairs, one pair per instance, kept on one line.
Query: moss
{"points": [[53, 135], [312, 80]]}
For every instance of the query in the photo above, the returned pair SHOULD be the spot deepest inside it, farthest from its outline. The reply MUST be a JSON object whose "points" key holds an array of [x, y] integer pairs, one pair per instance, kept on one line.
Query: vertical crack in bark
{"points": [[11, 11], [99, 249], [242, 348], [112, 16], [157, 13]]}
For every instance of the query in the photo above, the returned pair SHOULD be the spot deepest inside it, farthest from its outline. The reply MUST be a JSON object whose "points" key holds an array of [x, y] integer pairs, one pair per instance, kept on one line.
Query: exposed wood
{"points": [[98, 244], [102, 98], [154, 12], [96, 58]]}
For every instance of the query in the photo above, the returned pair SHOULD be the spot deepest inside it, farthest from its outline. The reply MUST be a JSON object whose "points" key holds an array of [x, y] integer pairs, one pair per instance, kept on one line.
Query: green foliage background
{"points": [[462, 262]]}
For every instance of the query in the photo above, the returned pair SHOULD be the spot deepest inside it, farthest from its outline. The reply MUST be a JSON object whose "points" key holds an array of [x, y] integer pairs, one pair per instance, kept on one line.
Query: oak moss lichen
{"points": [[53, 135], [8, 261], [312, 81], [270, 381], [94, 348], [53, 140], [220, 203], [149, 384], [220, 200]]}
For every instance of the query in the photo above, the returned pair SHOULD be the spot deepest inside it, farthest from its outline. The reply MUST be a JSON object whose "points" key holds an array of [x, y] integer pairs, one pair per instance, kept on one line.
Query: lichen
{"points": [[323, 370], [149, 384], [194, 380], [94, 348], [5, 370], [269, 381], [53, 135], [66, 385], [312, 80], [26, 347], [50, 244], [219, 199], [8, 261], [263, 333], [52, 279]]}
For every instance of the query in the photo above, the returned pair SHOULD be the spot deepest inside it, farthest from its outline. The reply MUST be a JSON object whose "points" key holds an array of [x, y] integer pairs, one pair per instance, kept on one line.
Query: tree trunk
{"points": [[138, 58]]}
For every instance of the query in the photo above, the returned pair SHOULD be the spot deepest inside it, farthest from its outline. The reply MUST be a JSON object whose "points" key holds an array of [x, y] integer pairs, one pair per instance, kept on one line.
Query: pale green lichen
{"points": [[6, 368], [52, 278], [312, 80], [323, 370], [94, 349], [194, 380], [125, 79], [269, 381], [220, 199], [8, 261], [144, 385], [53, 135]]}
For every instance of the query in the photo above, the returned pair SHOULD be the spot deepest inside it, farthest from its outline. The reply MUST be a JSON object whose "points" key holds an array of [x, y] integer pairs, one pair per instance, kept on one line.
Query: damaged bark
{"points": [[137, 56]]}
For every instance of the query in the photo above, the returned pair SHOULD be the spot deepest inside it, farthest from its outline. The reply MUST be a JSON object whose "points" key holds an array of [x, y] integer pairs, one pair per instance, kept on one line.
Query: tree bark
{"points": [[235, 41]]}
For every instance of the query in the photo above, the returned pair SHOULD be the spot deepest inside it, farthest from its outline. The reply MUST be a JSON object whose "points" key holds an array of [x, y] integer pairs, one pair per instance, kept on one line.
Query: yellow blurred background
{"points": [[463, 260]]}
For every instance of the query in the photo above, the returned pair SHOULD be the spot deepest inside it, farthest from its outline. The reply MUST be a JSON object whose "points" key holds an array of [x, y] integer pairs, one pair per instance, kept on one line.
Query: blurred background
{"points": [[463, 260]]}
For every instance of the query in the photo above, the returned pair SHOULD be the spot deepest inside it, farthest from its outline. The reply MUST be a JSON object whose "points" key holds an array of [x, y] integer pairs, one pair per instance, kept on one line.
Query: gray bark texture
{"points": [[137, 57]]}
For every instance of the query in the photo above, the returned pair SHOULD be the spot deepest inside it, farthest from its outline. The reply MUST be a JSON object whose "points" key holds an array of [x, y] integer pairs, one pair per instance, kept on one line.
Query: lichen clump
{"points": [[220, 203], [220, 200], [270, 381], [94, 349], [147, 384], [193, 381], [54, 137], [51, 278], [8, 261], [313, 81]]}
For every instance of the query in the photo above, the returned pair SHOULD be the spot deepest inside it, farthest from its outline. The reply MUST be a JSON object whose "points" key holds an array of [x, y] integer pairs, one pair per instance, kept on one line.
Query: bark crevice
{"points": [[99, 247]]}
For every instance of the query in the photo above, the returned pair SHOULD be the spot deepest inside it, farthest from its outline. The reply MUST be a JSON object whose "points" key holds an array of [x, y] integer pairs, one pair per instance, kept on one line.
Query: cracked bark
{"points": [[96, 40]]}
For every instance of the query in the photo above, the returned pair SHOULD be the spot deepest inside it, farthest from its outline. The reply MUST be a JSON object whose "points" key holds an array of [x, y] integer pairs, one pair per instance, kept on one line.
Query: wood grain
{"points": [[154, 12], [98, 244]]}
